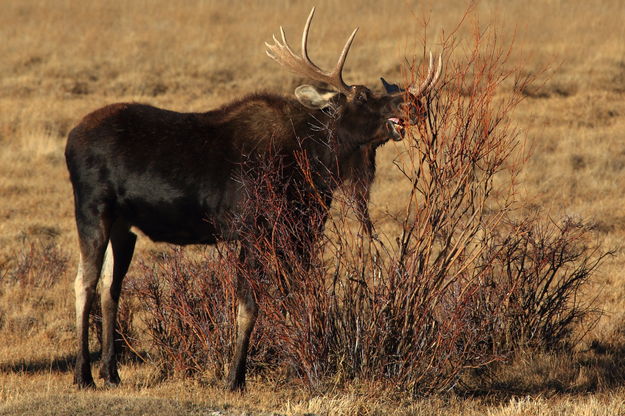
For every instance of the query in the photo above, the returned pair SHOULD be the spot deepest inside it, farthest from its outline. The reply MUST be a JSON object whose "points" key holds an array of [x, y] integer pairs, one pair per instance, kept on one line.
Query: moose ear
{"points": [[313, 98], [390, 88]]}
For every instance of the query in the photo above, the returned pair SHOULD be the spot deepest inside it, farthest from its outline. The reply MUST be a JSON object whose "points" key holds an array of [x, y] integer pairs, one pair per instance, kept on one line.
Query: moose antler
{"points": [[430, 80], [282, 53]]}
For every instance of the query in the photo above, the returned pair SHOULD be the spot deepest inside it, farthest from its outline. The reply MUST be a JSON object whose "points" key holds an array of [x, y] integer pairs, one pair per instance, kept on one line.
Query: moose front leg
{"points": [[362, 210], [246, 318], [362, 175]]}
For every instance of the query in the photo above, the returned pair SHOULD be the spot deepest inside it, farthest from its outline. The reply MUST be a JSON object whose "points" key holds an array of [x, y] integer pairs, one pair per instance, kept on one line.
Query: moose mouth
{"points": [[395, 126]]}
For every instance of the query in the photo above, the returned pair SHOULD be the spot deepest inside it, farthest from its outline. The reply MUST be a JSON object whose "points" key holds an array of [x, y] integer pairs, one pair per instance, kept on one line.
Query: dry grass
{"points": [[62, 59]]}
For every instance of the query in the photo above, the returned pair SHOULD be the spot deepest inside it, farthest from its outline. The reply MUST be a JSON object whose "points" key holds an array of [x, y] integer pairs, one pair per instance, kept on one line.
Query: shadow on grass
{"points": [[607, 361], [64, 364], [598, 369], [601, 368]]}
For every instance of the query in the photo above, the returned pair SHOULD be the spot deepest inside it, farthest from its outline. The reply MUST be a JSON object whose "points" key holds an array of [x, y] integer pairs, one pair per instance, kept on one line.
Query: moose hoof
{"points": [[111, 378], [83, 382], [110, 384], [236, 385]]}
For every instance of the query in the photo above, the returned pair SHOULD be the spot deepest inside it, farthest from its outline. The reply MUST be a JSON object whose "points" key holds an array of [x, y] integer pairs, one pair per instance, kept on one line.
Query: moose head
{"points": [[366, 117]]}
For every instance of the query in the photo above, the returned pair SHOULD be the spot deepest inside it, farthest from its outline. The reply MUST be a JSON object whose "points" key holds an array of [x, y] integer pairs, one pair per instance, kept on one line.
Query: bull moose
{"points": [[174, 177]]}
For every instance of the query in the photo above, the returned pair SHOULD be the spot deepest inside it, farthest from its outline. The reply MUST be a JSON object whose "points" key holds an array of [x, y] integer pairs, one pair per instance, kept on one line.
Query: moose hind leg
{"points": [[89, 267], [117, 260]]}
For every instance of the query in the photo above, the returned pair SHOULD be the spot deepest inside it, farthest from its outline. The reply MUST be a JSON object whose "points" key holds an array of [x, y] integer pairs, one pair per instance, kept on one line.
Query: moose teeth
{"points": [[397, 122]]}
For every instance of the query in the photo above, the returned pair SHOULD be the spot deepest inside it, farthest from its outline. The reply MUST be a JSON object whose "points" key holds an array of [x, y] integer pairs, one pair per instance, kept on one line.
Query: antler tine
{"points": [[439, 70], [423, 88], [282, 53], [305, 39], [285, 43], [338, 71]]}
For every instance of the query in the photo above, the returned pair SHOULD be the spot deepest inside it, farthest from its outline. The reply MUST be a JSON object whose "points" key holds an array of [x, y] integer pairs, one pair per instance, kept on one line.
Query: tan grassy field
{"points": [[62, 59]]}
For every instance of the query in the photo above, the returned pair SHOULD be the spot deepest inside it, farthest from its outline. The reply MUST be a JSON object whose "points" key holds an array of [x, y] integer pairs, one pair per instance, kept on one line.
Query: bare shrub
{"points": [[466, 279], [189, 311], [445, 295], [36, 264], [536, 279]]}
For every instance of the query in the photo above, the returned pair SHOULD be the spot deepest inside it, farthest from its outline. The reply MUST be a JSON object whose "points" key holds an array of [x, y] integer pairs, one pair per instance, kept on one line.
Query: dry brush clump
{"points": [[466, 280], [28, 275], [35, 264], [536, 276], [189, 310]]}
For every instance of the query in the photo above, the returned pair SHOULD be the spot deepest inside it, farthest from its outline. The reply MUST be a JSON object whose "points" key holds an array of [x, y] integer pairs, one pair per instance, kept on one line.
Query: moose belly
{"points": [[180, 221]]}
